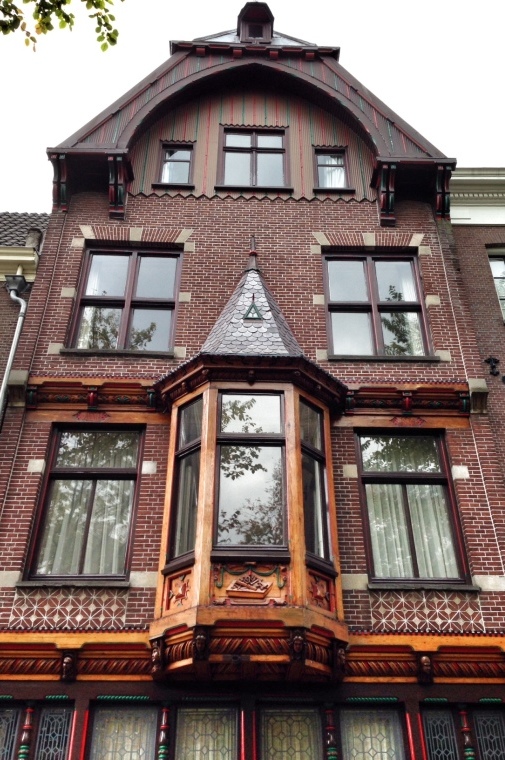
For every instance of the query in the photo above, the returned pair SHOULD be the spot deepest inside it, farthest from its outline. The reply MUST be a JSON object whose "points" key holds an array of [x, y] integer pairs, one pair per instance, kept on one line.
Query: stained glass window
{"points": [[371, 735], [206, 734], [124, 733], [53, 735], [8, 727], [291, 734]]}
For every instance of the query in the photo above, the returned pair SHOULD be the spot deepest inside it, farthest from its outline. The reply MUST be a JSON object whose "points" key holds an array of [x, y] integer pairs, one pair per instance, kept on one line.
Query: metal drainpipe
{"points": [[22, 311]]}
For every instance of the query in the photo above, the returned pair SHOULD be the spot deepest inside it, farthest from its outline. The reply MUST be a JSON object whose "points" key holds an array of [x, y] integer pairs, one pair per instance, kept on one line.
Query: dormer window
{"points": [[255, 23]]}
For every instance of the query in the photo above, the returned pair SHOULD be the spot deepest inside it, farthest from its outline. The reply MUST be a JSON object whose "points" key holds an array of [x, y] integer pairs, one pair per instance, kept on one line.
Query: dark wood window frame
{"points": [[183, 452], [374, 307], [317, 455], [253, 151], [167, 145], [127, 302], [320, 150], [442, 478], [81, 473]]}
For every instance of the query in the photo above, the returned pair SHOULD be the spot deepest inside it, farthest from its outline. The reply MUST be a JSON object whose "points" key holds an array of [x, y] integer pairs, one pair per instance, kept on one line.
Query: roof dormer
{"points": [[255, 23]]}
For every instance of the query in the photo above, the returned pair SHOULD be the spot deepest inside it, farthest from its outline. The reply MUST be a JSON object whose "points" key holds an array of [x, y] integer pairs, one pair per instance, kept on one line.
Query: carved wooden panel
{"points": [[178, 590], [320, 591], [249, 583]]}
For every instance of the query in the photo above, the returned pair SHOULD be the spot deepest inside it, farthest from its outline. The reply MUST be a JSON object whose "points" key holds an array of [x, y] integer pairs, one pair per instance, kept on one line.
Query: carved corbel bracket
{"points": [[119, 175], [385, 184], [60, 194], [443, 195]]}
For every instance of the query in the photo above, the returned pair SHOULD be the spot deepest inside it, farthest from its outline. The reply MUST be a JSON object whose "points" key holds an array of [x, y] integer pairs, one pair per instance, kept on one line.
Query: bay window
{"points": [[187, 477]]}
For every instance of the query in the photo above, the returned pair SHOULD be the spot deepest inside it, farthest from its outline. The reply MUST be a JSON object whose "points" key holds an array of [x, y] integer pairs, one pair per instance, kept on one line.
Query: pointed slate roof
{"points": [[251, 323]]}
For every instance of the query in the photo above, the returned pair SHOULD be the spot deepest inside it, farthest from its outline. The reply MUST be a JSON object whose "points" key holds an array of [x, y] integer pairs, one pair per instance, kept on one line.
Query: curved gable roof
{"points": [[294, 63]]}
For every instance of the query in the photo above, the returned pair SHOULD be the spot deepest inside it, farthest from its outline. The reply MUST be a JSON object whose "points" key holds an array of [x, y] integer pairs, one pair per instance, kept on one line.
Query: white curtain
{"points": [[388, 529], [371, 735], [431, 526], [124, 734]]}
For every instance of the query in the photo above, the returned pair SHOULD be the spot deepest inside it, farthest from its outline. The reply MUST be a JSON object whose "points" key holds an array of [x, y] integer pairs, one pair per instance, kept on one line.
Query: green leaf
{"points": [[104, 46]]}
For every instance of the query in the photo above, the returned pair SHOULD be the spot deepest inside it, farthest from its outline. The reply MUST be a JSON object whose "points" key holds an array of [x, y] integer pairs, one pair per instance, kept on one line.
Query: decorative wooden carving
{"points": [[248, 586], [178, 590], [164, 736], [339, 660], [69, 665], [424, 669], [201, 644], [245, 583], [60, 199], [118, 180], [447, 399], [443, 195], [469, 749], [320, 591], [58, 393], [157, 647], [386, 193], [26, 736], [297, 644], [330, 735]]}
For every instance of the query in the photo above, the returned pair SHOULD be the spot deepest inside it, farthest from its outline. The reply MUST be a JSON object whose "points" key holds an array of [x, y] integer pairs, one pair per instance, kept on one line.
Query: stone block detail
{"points": [[414, 611], [66, 609]]}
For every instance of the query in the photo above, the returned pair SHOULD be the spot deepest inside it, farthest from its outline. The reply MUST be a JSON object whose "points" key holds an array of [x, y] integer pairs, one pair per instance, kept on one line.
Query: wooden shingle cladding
{"points": [[199, 122]]}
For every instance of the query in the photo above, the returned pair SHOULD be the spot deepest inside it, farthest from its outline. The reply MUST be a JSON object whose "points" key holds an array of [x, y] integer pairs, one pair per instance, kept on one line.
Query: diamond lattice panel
{"points": [[67, 609], [448, 611]]}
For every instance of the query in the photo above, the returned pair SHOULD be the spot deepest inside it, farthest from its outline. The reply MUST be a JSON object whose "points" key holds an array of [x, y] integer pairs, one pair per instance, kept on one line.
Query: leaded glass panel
{"points": [[371, 735], [8, 728], [440, 735], [293, 734], [54, 732], [490, 732], [206, 734], [124, 734]]}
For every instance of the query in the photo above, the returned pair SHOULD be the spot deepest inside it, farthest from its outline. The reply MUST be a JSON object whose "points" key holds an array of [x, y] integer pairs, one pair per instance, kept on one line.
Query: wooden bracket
{"points": [[60, 195], [386, 193], [443, 195]]}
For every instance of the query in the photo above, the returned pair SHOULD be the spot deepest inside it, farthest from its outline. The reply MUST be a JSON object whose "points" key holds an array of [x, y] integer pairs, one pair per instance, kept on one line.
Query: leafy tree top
{"points": [[48, 13]]}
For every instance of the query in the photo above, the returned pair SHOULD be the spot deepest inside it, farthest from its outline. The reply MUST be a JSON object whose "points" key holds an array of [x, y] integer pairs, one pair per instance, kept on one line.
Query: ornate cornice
{"points": [[90, 395], [407, 400]]}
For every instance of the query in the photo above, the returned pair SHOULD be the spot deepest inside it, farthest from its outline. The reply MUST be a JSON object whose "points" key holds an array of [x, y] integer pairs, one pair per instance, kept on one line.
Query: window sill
{"points": [[342, 190], [73, 582], [172, 186], [323, 565], [115, 352], [250, 554], [184, 560], [440, 585], [382, 358], [256, 188]]}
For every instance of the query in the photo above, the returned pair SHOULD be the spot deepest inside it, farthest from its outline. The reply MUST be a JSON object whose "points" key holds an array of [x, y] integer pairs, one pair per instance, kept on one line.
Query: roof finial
{"points": [[252, 264]]}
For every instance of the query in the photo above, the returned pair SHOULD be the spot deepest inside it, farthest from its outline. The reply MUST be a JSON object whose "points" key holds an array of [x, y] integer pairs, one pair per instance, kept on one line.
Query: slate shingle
{"points": [[234, 334], [14, 227]]}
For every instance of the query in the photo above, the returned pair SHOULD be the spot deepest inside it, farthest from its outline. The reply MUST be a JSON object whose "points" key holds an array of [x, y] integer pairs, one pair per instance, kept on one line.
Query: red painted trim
{"points": [[410, 737], [421, 734], [254, 737], [72, 735], [84, 735], [242, 735]]}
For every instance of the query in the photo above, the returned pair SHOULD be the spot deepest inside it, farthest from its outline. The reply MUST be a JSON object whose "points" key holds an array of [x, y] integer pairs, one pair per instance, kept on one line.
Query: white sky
{"points": [[438, 63]]}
